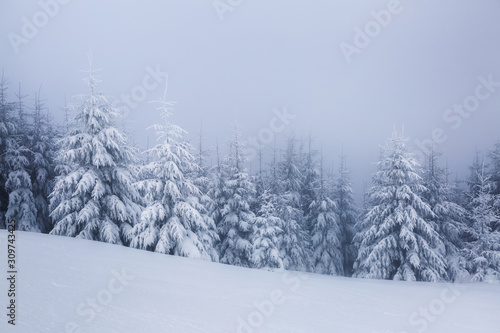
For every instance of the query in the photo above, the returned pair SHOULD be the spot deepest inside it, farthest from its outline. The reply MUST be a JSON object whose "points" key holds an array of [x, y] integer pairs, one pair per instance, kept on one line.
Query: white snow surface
{"points": [[59, 278]]}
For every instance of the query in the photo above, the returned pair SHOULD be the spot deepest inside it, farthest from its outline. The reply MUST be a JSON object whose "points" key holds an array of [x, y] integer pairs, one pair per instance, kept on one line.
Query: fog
{"points": [[347, 73]]}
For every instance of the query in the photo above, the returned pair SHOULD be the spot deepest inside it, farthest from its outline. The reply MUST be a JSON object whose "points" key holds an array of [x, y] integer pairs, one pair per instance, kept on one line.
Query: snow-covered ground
{"points": [[73, 285]]}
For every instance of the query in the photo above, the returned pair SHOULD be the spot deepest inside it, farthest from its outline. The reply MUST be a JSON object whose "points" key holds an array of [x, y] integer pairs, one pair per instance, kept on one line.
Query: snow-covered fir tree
{"points": [[449, 218], [42, 146], [217, 176], [201, 178], [266, 253], [327, 237], [484, 251], [494, 157], [237, 223], [21, 205], [93, 196], [7, 143], [200, 174], [308, 167], [494, 172], [397, 242], [294, 241], [174, 220], [343, 196], [478, 168], [260, 179]]}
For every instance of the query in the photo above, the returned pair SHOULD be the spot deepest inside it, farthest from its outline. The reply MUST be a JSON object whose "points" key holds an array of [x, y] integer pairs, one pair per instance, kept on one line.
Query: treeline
{"points": [[85, 180]]}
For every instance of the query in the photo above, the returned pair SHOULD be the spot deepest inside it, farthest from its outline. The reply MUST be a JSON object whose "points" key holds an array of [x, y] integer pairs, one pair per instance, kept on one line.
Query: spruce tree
{"points": [[398, 242], [42, 163], [294, 241], [484, 251], [200, 174], [327, 237], [201, 178], [494, 156], [21, 205], [174, 220], [308, 167], [477, 169], [343, 196], [94, 197], [266, 254], [449, 218], [237, 221], [8, 131], [217, 176], [260, 180]]}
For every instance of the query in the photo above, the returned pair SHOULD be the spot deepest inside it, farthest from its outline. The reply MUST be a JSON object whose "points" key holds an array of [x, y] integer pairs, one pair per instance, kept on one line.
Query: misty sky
{"points": [[267, 55]]}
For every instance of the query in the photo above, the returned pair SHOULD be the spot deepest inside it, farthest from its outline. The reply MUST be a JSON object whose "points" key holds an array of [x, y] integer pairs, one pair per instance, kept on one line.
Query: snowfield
{"points": [[73, 285]]}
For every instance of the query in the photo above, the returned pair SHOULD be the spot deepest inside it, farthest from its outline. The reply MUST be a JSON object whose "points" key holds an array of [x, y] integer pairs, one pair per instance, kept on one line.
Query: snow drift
{"points": [[73, 285]]}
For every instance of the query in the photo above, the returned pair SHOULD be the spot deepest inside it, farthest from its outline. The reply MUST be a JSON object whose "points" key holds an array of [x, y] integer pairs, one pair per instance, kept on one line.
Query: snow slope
{"points": [[73, 285]]}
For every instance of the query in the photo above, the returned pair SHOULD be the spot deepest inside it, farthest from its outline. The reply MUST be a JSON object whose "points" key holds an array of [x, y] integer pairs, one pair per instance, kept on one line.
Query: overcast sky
{"points": [[240, 60]]}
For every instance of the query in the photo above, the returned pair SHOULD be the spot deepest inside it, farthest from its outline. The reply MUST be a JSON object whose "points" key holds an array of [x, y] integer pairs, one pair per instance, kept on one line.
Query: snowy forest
{"points": [[86, 179]]}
